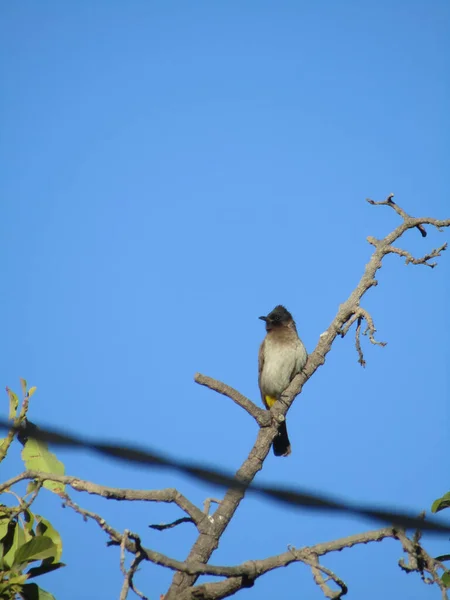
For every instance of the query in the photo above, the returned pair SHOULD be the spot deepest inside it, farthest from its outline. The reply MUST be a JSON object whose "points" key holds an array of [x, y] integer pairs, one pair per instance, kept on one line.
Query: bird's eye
{"points": [[276, 318]]}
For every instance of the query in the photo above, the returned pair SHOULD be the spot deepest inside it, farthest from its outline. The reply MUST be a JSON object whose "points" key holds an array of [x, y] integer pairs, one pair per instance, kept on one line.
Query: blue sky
{"points": [[171, 171]]}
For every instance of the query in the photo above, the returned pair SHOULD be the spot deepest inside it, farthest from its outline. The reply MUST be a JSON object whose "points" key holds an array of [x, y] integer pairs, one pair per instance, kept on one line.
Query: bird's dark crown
{"points": [[278, 316]]}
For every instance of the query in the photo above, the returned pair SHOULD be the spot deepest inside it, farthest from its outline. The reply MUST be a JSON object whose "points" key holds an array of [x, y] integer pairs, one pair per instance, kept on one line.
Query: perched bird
{"points": [[282, 356]]}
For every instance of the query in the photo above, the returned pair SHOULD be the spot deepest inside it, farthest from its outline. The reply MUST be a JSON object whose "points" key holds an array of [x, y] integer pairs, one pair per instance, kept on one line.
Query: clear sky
{"points": [[173, 170]]}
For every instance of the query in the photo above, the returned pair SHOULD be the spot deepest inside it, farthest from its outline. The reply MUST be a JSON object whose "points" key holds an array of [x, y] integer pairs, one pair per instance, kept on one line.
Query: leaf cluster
{"points": [[29, 544]]}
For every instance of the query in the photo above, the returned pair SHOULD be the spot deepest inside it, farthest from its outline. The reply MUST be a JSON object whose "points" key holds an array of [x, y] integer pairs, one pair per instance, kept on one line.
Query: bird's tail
{"points": [[281, 444]]}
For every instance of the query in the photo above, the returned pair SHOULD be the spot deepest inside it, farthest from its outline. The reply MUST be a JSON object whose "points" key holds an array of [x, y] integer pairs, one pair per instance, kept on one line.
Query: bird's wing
{"points": [[260, 363]]}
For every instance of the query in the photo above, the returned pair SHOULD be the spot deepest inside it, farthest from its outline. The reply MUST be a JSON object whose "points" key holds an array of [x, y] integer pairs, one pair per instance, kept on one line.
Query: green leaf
{"points": [[44, 527], [31, 391], [18, 579], [31, 591], [446, 579], [3, 589], [37, 457], [45, 567], [31, 487], [441, 503], [14, 538], [38, 548], [442, 557], [4, 522], [28, 518], [23, 385], [13, 403]]}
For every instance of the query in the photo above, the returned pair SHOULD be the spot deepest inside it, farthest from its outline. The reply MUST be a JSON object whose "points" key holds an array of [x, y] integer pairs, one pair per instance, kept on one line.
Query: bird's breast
{"points": [[282, 361]]}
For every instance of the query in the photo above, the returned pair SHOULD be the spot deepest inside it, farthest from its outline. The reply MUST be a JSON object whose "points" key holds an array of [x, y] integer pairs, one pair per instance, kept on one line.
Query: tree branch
{"points": [[205, 545], [164, 526], [318, 571], [421, 562], [128, 582], [247, 573], [419, 261], [398, 210], [168, 495], [207, 504], [260, 415], [359, 315]]}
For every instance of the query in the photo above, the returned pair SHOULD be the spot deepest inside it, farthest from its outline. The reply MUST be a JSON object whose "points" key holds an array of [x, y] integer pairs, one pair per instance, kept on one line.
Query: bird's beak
{"points": [[263, 318]]}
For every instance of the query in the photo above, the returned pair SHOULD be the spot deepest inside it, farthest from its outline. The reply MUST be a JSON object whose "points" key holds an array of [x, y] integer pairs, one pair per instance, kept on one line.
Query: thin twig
{"points": [[398, 210], [164, 526], [419, 261], [26, 505], [361, 360], [207, 504], [128, 582], [370, 327], [133, 570], [318, 570]]}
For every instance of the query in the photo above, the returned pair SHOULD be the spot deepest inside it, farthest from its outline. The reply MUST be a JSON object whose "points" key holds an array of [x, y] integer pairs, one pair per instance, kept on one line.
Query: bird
{"points": [[281, 357]]}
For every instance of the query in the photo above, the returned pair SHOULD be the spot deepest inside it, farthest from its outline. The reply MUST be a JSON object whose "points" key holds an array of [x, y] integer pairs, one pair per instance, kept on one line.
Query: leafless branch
{"points": [[419, 261], [164, 526], [260, 415], [168, 495], [207, 504], [250, 569], [361, 360], [421, 562], [398, 210], [133, 569], [343, 332], [318, 572], [359, 315], [128, 582]]}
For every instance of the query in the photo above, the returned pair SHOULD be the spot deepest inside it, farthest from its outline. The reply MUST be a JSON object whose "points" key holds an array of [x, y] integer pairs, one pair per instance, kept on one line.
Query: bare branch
{"points": [[318, 570], [359, 315], [398, 210], [419, 261], [343, 332], [260, 415], [370, 327], [133, 569], [26, 505], [361, 360], [164, 526], [421, 562], [247, 573], [168, 495], [207, 504], [249, 569], [128, 582]]}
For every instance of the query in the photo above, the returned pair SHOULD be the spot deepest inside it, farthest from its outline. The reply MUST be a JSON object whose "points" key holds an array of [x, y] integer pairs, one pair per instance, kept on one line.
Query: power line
{"points": [[295, 497]]}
